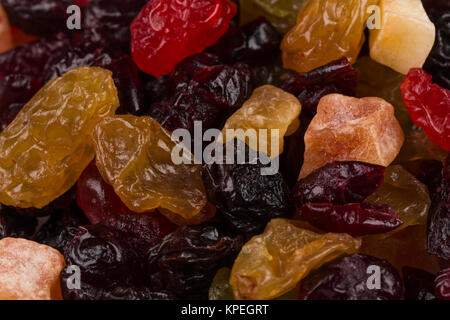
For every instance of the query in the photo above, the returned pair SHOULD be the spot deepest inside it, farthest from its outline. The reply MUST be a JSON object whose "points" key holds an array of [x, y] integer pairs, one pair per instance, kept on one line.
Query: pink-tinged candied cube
{"points": [[29, 270], [352, 129]]}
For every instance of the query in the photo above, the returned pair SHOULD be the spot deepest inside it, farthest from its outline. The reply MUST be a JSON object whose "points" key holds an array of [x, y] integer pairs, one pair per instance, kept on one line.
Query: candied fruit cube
{"points": [[29, 270], [406, 36], [352, 129]]}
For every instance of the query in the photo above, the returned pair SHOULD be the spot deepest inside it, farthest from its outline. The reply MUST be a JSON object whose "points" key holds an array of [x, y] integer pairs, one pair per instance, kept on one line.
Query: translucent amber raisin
{"points": [[408, 196], [5, 32], [268, 108], [29, 270], [46, 148], [272, 263], [134, 156], [351, 129], [325, 31]]}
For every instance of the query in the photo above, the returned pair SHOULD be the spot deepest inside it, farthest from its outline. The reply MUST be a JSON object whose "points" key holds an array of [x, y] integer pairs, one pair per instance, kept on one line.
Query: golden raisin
{"points": [[48, 145]]}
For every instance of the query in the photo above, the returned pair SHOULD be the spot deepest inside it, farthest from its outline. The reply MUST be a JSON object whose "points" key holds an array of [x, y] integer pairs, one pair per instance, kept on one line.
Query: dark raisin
{"points": [[352, 278], [419, 284], [442, 284], [185, 261], [256, 42], [38, 17], [436, 8], [9, 115], [430, 174], [339, 183], [356, 219], [17, 88], [336, 77], [14, 225], [62, 202]]}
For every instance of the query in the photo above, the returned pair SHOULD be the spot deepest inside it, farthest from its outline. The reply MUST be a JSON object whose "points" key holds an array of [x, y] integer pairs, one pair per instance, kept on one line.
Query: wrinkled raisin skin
{"points": [[15, 226]]}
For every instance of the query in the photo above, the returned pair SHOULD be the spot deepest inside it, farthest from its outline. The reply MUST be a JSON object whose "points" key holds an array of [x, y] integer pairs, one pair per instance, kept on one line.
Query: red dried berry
{"points": [[442, 284], [356, 219], [428, 105], [167, 31]]}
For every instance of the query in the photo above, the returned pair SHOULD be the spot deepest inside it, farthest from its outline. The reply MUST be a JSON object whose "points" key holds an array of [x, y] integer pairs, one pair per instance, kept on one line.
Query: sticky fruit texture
{"points": [[419, 284], [274, 262], [111, 258], [220, 288], [206, 214], [61, 227], [14, 225], [351, 129], [166, 32], [439, 217], [96, 198], [134, 155], [281, 13], [309, 87], [405, 194], [268, 108], [29, 271], [256, 42], [408, 247], [405, 37], [356, 219], [185, 261], [210, 96], [47, 146], [428, 105], [442, 284], [339, 183], [438, 62], [325, 31], [347, 278], [245, 197], [38, 17], [5, 32], [377, 80]]}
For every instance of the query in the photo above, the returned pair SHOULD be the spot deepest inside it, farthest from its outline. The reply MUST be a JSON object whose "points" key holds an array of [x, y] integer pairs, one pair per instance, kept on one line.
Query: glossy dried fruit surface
{"points": [[351, 129], [268, 108], [5, 32], [29, 271], [325, 31], [220, 288], [47, 146], [419, 284], [438, 62], [335, 77], [185, 261], [339, 183], [428, 105], [167, 31], [134, 156], [349, 278], [355, 219], [405, 194], [272, 263], [405, 36], [442, 284]]}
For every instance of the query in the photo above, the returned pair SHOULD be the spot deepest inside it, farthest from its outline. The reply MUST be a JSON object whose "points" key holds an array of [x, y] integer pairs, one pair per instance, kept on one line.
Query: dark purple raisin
{"points": [[185, 261], [17, 88], [438, 61], [438, 232], [246, 198], [14, 225], [336, 77], [436, 8], [430, 174], [9, 115], [356, 219], [442, 284], [419, 284], [339, 183], [355, 277], [256, 42], [38, 17]]}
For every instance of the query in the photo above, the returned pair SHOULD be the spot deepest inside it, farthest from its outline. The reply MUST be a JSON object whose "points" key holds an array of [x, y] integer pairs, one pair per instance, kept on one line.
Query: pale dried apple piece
{"points": [[352, 129], [29, 270]]}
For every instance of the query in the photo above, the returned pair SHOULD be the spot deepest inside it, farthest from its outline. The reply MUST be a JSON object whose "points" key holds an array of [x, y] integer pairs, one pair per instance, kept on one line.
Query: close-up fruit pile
{"points": [[354, 97]]}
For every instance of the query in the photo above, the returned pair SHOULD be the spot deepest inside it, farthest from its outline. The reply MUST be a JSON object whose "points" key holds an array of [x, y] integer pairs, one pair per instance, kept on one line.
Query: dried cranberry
{"points": [[14, 225], [38, 17], [339, 183], [336, 77], [353, 278], [442, 284], [419, 284], [256, 42], [185, 261], [356, 219]]}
